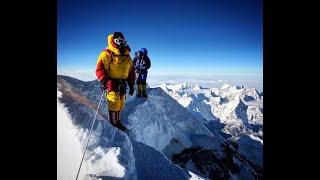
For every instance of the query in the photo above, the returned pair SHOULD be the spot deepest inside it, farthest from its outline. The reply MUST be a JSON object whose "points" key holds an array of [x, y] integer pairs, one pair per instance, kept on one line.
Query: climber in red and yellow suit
{"points": [[115, 71]]}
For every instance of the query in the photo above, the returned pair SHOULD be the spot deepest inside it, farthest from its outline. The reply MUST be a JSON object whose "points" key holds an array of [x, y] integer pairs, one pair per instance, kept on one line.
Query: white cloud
{"points": [[208, 80], [81, 74]]}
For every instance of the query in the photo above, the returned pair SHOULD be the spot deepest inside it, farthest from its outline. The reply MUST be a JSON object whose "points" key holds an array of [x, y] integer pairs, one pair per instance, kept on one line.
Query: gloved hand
{"points": [[131, 91], [103, 84]]}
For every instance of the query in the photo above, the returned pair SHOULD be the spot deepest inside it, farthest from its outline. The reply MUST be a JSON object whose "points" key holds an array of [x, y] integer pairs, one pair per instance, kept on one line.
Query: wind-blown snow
{"points": [[108, 163]]}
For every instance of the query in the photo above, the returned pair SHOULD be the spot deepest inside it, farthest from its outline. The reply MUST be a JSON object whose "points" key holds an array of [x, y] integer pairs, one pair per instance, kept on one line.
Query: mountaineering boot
{"points": [[144, 90], [121, 127], [114, 117], [139, 90]]}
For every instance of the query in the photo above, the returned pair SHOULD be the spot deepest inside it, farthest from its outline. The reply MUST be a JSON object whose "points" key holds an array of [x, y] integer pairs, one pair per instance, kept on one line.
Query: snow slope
{"points": [[251, 149], [68, 145], [158, 119], [151, 164], [110, 151], [162, 127]]}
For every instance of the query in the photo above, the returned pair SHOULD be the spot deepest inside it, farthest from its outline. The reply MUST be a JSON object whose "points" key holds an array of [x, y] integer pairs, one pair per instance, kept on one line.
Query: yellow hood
{"points": [[113, 47]]}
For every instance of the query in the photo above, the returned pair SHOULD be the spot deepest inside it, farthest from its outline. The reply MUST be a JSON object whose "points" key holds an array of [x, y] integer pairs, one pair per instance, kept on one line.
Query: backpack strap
{"points": [[110, 52]]}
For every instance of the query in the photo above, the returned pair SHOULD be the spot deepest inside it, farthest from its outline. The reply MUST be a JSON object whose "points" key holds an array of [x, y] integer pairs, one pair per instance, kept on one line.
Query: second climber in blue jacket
{"points": [[142, 63]]}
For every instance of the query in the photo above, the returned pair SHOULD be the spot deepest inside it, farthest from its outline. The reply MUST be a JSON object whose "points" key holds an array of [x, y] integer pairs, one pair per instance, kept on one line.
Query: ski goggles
{"points": [[120, 42]]}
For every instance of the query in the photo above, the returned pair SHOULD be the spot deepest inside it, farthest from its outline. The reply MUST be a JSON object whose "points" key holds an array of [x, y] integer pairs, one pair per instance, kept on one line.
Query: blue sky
{"points": [[191, 36]]}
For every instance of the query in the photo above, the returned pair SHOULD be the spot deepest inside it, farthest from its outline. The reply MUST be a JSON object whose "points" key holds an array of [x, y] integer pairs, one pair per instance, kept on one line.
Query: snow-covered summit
{"points": [[163, 129], [229, 104]]}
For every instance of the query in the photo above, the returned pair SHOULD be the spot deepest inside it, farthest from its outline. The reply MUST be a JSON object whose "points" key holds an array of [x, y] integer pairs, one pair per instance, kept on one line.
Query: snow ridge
{"points": [[164, 128]]}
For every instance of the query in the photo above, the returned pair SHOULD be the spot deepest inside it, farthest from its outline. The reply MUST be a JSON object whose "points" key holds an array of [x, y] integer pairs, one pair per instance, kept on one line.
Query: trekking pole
{"points": [[89, 134]]}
